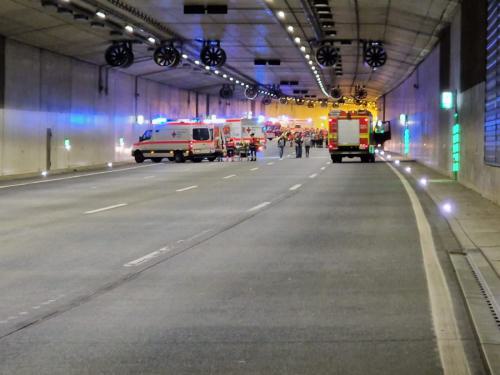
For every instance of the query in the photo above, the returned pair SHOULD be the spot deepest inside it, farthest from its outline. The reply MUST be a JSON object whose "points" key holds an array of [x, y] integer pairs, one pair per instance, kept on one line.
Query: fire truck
{"points": [[350, 134], [180, 141]]}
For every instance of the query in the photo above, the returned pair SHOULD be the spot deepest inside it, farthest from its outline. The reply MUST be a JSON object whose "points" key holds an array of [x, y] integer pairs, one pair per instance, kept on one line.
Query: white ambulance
{"points": [[240, 130], [180, 141]]}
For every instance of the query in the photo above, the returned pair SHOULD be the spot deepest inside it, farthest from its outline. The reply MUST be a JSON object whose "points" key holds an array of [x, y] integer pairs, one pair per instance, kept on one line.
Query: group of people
{"points": [[250, 149], [299, 139]]}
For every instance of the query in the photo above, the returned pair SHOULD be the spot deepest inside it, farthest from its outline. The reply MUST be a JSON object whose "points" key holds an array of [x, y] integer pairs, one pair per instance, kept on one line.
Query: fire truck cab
{"points": [[179, 141], [350, 134]]}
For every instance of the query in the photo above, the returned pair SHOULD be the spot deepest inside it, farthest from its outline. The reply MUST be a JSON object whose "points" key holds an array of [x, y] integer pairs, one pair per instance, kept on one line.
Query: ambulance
{"points": [[350, 134], [180, 141], [240, 130]]}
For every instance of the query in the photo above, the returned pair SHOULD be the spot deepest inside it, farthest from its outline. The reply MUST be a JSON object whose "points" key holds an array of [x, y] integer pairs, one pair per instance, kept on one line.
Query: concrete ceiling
{"points": [[408, 28]]}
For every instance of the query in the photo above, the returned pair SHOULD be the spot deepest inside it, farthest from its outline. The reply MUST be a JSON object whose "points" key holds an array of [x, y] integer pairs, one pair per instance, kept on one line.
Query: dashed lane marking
{"points": [[295, 187], [187, 188], [270, 163], [149, 177], [147, 257], [254, 169], [106, 208], [230, 176], [314, 175], [259, 206], [323, 168]]}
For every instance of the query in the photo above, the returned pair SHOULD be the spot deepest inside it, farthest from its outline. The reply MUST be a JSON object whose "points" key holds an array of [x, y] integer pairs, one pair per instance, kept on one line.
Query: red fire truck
{"points": [[350, 134]]}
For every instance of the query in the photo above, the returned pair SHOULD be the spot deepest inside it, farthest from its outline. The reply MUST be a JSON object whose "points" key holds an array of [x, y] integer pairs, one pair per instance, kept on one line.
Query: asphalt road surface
{"points": [[294, 266]]}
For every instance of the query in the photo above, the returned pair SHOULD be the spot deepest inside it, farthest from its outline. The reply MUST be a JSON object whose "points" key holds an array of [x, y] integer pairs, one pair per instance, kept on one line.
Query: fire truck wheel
{"points": [[171, 159], [197, 160], [139, 157], [211, 158], [365, 159], [372, 158], [179, 158], [156, 160]]}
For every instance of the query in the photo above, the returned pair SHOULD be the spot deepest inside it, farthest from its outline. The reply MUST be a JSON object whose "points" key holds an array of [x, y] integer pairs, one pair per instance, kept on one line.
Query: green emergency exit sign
{"points": [[455, 148]]}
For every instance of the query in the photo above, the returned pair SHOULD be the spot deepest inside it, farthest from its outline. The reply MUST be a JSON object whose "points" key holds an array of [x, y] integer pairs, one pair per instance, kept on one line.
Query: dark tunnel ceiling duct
{"points": [[267, 62], [202, 9]]}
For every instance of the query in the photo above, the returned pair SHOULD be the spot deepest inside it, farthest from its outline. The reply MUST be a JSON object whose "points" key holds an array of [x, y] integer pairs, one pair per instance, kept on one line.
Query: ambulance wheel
{"points": [[171, 159], [156, 160], [211, 158], [179, 158], [139, 157], [197, 160]]}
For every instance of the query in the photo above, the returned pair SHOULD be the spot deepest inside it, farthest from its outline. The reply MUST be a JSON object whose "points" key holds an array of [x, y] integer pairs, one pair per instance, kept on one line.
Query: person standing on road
{"points": [[298, 145], [254, 144], [281, 145], [230, 149], [307, 143]]}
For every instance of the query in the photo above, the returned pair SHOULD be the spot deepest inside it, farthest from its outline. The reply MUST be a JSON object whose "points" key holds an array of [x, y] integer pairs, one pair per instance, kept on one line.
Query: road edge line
{"points": [[450, 345]]}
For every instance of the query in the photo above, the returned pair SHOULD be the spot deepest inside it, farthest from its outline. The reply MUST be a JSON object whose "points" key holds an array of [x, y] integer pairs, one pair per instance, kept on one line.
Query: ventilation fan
{"points": [[167, 55], [120, 55], [374, 55], [327, 56], [266, 100], [212, 54], [226, 92], [251, 92], [336, 93]]}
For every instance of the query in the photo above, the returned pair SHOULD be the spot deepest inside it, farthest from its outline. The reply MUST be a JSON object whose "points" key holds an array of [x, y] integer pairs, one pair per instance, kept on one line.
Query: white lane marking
{"points": [[198, 235], [328, 162], [23, 313], [313, 175], [72, 177], [323, 168], [148, 177], [147, 257], [230, 176], [12, 317], [254, 169], [180, 241], [259, 206], [187, 188], [295, 187], [270, 163], [36, 307], [3, 321], [451, 350], [105, 208]]}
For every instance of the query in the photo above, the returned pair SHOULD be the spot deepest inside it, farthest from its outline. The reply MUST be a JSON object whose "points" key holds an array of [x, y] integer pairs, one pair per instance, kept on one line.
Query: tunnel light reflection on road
{"points": [[110, 165], [397, 162], [408, 170], [423, 181], [389, 156], [382, 152], [44, 173], [447, 208]]}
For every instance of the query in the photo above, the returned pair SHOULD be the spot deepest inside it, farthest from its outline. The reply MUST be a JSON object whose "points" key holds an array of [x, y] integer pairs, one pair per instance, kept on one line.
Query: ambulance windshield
{"points": [[147, 135], [201, 134]]}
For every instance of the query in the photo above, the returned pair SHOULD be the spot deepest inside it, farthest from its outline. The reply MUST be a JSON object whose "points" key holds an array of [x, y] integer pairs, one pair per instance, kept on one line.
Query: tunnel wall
{"points": [[430, 126], [46, 90]]}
